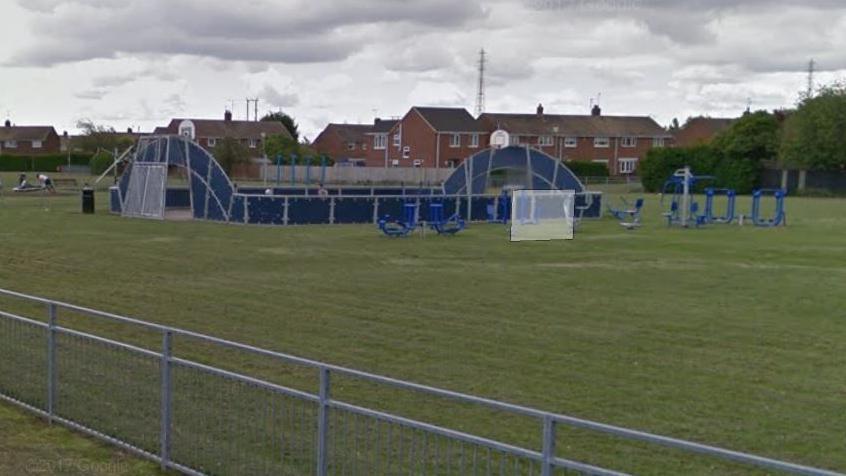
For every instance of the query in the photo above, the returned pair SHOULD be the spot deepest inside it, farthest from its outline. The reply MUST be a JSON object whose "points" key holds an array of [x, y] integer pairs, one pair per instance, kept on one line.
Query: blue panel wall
{"points": [[236, 214], [354, 209], [266, 210], [114, 200], [308, 210], [391, 206], [220, 186], [567, 181], [178, 198], [455, 183], [479, 208], [198, 194]]}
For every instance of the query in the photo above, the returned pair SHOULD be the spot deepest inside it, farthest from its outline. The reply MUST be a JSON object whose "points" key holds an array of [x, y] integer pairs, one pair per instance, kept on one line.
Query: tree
{"points": [[674, 126], [751, 140], [286, 121], [95, 136], [281, 145], [815, 134], [230, 152]]}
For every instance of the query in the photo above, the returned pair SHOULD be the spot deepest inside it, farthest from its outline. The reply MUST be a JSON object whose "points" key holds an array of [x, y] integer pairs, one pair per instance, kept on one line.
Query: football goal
{"points": [[542, 215]]}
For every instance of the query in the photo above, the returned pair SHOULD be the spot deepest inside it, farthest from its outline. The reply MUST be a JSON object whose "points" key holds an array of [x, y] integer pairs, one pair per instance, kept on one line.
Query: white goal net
{"points": [[542, 215], [145, 195]]}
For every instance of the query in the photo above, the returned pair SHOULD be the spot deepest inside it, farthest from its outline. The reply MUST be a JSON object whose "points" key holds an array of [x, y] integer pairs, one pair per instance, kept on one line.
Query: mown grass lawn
{"points": [[731, 336]]}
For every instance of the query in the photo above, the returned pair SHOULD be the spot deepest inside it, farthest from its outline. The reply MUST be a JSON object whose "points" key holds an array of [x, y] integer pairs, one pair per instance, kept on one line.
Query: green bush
{"points": [[739, 174], [40, 163], [587, 169], [100, 162]]}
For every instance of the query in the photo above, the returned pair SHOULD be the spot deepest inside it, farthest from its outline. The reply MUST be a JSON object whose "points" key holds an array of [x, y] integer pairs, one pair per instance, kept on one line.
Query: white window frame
{"points": [[406, 152], [628, 141], [10, 144], [514, 139], [571, 142], [350, 145], [455, 141], [253, 143], [657, 142], [545, 141], [37, 144], [418, 163], [397, 140], [601, 142], [627, 165], [379, 141], [453, 163], [395, 163], [212, 141], [474, 141]]}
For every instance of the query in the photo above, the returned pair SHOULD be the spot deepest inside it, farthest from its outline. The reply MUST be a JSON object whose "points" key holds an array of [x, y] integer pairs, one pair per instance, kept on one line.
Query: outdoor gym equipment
{"points": [[437, 222], [629, 214], [779, 217], [403, 227], [683, 209], [731, 198]]}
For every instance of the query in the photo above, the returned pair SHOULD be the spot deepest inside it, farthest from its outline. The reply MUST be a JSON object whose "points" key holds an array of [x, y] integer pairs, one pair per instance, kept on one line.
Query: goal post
{"points": [[542, 215]]}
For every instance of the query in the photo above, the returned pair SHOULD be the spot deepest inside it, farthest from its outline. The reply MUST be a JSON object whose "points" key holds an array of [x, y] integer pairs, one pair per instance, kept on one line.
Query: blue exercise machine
{"points": [[397, 228], [444, 226], [684, 211], [731, 199], [779, 217], [629, 214]]}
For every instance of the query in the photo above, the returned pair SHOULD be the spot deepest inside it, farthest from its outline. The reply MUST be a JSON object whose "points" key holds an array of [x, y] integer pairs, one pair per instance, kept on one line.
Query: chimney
{"points": [[376, 121], [129, 130], [540, 109], [227, 116], [596, 110], [8, 123], [64, 133]]}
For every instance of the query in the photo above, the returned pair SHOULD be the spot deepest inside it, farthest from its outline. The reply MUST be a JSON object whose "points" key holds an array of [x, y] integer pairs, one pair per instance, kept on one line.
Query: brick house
{"points": [[434, 137], [344, 143], [28, 140], [207, 132], [620, 142], [701, 130]]}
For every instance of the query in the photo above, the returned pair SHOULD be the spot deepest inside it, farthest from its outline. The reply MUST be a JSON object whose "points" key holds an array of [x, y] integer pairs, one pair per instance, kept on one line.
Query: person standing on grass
{"points": [[47, 183]]}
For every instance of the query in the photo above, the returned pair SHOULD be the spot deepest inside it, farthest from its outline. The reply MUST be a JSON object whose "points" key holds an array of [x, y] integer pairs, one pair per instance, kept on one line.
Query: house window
{"points": [[406, 152], [350, 145], [601, 142], [571, 142], [379, 141], [545, 140], [629, 142], [212, 141], [397, 140], [36, 144], [474, 140], [10, 144], [514, 139], [418, 163], [627, 166], [658, 142], [253, 143], [455, 140], [452, 163], [364, 146], [394, 163]]}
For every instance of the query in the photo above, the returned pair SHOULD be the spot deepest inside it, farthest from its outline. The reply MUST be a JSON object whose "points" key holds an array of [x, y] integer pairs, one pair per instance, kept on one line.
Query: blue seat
{"points": [[448, 226]]}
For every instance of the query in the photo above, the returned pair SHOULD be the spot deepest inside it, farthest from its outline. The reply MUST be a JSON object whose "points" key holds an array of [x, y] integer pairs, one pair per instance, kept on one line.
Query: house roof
{"points": [[382, 126], [224, 128], [449, 119], [575, 125], [25, 133], [702, 129], [348, 132]]}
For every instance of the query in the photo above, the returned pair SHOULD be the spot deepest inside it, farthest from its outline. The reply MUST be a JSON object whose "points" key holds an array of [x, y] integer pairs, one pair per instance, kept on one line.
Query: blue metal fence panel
{"points": [[353, 209], [236, 212], [265, 210], [391, 206], [114, 200], [198, 196], [308, 210], [178, 198]]}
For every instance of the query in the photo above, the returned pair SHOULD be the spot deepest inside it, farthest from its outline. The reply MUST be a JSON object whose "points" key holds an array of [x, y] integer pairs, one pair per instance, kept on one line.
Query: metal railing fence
{"points": [[201, 419]]}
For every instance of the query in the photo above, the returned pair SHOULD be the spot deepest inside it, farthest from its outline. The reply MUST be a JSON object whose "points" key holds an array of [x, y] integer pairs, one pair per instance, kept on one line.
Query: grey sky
{"points": [[140, 62]]}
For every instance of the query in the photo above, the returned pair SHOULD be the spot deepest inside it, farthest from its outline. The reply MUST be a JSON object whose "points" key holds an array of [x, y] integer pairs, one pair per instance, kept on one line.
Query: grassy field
{"points": [[732, 336]]}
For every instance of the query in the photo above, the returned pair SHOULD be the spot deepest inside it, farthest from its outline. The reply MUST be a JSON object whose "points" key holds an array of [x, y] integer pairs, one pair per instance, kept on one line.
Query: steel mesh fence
{"points": [[23, 361]]}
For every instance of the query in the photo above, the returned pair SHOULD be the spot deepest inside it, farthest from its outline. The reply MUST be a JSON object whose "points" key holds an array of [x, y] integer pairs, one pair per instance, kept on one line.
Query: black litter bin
{"points": [[87, 200]]}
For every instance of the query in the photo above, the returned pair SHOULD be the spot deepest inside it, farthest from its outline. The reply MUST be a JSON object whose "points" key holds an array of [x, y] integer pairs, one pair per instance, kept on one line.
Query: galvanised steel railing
{"points": [[200, 419]]}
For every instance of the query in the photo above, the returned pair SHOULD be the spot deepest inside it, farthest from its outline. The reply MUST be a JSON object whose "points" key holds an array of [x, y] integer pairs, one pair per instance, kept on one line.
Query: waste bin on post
{"points": [[87, 199]]}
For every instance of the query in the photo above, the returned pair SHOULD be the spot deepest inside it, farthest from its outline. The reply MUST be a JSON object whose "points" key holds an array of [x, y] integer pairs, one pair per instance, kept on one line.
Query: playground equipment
{"points": [[731, 198], [629, 214], [683, 211], [437, 222], [779, 217], [401, 227]]}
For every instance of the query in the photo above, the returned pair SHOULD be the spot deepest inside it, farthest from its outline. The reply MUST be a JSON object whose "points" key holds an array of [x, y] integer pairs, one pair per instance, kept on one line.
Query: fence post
{"points": [[548, 446], [166, 401], [323, 424], [51, 361]]}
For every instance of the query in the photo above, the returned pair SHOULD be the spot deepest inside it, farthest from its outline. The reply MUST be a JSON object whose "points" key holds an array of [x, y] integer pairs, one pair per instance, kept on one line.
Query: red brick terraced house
{"points": [[435, 137], [701, 130], [28, 140], [346, 144], [379, 137], [207, 132], [620, 142]]}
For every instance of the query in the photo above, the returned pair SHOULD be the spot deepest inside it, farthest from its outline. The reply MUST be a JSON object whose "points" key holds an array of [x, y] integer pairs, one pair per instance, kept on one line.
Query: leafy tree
{"points": [[96, 136], [286, 121], [674, 125], [230, 152], [815, 134], [280, 144], [755, 136], [101, 161]]}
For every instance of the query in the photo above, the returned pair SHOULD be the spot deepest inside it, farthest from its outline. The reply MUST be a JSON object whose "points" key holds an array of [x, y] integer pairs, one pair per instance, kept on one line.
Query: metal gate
{"points": [[145, 196]]}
